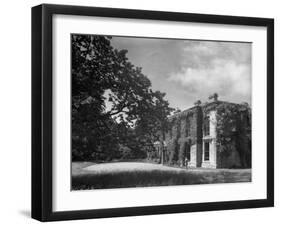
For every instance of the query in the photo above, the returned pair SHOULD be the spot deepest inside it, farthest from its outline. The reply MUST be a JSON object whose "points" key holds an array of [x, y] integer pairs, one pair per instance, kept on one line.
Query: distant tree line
{"points": [[115, 112]]}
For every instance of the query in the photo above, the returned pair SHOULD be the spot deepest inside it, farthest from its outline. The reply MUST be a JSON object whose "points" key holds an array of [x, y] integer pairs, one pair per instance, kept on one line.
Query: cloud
{"points": [[219, 67], [188, 70]]}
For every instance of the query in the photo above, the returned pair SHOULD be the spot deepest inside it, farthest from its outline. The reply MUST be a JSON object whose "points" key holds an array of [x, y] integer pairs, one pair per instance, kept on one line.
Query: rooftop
{"points": [[198, 106]]}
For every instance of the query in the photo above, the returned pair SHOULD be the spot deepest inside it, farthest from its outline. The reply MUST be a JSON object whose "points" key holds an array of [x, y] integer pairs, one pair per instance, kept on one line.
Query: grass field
{"points": [[88, 175]]}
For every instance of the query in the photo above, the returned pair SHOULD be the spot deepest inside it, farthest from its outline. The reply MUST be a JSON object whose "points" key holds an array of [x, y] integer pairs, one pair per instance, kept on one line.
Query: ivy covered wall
{"points": [[184, 136], [233, 140], [184, 139]]}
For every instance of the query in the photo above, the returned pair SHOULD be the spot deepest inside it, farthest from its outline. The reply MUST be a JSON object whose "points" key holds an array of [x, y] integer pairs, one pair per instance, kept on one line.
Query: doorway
{"points": [[187, 153]]}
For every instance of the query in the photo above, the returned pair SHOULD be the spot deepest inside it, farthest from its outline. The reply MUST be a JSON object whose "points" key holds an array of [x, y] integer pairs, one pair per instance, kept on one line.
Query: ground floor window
{"points": [[206, 151], [187, 152]]}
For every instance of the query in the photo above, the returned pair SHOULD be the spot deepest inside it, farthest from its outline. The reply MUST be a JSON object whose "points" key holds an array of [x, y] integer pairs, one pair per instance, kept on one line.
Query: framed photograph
{"points": [[146, 112]]}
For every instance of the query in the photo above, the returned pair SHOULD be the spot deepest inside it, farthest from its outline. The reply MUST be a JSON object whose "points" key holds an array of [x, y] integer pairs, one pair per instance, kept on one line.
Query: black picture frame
{"points": [[42, 111]]}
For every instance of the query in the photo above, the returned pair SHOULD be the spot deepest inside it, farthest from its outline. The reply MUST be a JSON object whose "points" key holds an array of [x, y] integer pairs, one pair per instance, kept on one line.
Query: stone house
{"points": [[216, 134]]}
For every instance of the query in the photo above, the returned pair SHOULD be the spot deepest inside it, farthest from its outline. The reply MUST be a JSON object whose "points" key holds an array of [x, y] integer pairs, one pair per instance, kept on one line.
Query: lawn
{"points": [[88, 175]]}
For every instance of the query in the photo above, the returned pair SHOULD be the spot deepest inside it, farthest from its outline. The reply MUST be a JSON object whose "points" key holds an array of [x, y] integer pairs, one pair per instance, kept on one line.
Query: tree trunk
{"points": [[163, 148]]}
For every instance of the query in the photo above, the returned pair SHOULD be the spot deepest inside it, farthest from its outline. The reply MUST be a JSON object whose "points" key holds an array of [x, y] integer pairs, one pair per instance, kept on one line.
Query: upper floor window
{"points": [[206, 126]]}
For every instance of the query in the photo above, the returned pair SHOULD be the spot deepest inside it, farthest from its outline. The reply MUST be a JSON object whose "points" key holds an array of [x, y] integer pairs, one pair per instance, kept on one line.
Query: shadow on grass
{"points": [[125, 179]]}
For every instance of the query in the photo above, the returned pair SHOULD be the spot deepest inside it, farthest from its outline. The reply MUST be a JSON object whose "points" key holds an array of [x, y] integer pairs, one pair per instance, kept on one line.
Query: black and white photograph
{"points": [[145, 112], [159, 112]]}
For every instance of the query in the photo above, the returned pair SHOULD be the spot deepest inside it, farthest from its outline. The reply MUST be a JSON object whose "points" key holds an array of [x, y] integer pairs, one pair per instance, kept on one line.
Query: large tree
{"points": [[92, 60], [110, 99]]}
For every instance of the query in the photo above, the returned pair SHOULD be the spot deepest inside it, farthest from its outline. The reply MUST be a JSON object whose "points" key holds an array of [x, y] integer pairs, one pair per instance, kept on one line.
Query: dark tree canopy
{"points": [[103, 76]]}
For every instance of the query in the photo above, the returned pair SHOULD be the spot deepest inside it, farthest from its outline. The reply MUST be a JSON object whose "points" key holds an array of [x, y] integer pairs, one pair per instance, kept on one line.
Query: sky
{"points": [[191, 70]]}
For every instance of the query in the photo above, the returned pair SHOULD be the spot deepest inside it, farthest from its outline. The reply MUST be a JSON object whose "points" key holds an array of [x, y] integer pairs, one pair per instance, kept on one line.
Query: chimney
{"points": [[214, 97], [197, 103]]}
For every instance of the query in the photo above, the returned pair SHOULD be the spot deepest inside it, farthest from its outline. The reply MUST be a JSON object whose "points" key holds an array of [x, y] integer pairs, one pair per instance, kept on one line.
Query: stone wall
{"points": [[210, 139]]}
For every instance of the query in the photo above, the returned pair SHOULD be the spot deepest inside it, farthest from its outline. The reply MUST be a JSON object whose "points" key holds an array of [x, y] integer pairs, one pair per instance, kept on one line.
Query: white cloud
{"points": [[188, 70], [211, 67]]}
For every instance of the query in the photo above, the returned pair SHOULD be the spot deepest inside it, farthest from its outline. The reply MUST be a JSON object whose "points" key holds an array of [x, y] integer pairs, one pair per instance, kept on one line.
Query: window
{"points": [[206, 151], [207, 126], [187, 152]]}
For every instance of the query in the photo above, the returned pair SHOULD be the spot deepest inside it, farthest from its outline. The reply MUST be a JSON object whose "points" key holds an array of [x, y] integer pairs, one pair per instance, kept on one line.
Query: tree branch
{"points": [[117, 112]]}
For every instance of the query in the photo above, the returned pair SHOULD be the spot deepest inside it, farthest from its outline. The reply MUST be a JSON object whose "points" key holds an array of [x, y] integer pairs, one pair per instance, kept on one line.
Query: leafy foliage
{"points": [[182, 152], [173, 151], [101, 77], [234, 130]]}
